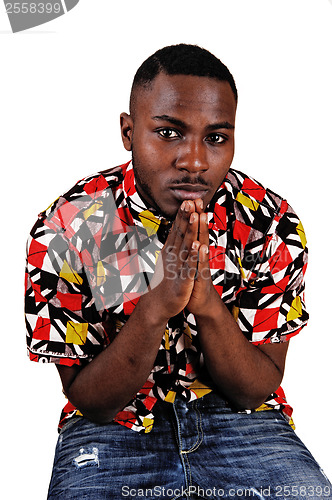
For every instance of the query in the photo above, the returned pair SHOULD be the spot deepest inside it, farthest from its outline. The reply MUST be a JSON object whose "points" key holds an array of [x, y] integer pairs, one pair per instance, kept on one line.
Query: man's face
{"points": [[181, 134]]}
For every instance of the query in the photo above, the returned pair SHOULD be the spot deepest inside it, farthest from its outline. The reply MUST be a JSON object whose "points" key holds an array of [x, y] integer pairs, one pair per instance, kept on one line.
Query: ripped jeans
{"points": [[201, 449]]}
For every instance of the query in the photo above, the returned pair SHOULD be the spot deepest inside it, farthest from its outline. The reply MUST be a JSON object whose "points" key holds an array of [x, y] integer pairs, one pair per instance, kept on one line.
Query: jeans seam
{"points": [[179, 441], [199, 428], [189, 468]]}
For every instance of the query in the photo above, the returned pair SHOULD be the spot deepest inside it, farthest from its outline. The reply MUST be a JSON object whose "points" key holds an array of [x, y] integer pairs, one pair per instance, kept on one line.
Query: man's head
{"points": [[181, 126], [180, 59]]}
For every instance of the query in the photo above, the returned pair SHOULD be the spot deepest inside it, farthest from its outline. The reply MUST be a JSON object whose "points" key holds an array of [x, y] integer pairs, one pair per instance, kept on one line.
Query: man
{"points": [[166, 291]]}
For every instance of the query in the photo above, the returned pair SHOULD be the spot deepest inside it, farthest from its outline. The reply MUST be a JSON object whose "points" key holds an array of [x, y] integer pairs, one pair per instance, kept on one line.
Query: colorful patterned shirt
{"points": [[92, 253]]}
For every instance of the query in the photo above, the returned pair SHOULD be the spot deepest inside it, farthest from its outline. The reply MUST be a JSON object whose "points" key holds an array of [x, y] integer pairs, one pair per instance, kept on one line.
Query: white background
{"points": [[63, 86]]}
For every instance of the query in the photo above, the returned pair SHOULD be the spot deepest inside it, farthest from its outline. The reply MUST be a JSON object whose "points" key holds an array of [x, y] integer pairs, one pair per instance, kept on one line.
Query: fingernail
{"points": [[205, 218], [183, 206], [186, 206], [195, 245], [200, 204], [192, 218], [206, 249]]}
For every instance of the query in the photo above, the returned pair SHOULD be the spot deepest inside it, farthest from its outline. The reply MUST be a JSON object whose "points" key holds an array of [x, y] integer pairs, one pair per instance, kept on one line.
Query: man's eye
{"points": [[168, 133], [216, 138]]}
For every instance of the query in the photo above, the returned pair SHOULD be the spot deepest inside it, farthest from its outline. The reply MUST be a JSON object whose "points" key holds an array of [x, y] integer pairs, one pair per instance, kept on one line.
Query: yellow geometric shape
{"points": [[76, 333], [167, 339], [69, 274], [101, 275], [243, 274], [301, 233], [235, 312], [199, 389], [247, 202], [295, 310], [92, 210], [187, 338], [264, 407], [170, 397], [148, 424], [149, 221], [78, 413], [156, 255]]}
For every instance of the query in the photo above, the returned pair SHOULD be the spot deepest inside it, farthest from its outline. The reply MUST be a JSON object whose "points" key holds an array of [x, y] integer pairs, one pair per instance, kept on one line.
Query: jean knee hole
{"points": [[87, 457]]}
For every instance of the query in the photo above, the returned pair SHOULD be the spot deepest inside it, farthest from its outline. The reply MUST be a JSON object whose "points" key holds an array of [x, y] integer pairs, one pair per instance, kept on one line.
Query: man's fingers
{"points": [[179, 228], [189, 232], [203, 229], [189, 266], [203, 268], [190, 236], [199, 205]]}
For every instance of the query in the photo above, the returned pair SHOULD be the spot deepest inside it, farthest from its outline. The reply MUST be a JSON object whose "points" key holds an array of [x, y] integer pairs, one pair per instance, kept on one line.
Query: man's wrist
{"points": [[150, 313], [212, 309]]}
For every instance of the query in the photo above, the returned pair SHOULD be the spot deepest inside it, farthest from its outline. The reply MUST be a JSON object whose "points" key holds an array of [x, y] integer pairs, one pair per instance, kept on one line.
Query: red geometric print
{"points": [[36, 254], [266, 319], [96, 186], [42, 329], [253, 189]]}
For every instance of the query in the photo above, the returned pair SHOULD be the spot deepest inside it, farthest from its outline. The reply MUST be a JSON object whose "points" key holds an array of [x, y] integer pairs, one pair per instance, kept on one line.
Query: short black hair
{"points": [[182, 59]]}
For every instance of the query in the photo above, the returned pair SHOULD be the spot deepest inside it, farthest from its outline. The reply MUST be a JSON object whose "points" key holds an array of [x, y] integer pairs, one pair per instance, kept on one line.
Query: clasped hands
{"points": [[183, 264]]}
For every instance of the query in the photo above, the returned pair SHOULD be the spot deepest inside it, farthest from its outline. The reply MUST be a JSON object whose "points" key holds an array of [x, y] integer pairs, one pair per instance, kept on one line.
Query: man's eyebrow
{"points": [[170, 119], [180, 123], [216, 126]]}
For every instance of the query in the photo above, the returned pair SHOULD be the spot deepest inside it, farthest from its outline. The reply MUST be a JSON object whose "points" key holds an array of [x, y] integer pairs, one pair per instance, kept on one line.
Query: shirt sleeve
{"points": [[270, 307], [63, 324]]}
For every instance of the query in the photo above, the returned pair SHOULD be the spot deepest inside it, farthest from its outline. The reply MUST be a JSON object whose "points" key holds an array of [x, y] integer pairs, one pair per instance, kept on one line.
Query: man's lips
{"points": [[189, 191]]}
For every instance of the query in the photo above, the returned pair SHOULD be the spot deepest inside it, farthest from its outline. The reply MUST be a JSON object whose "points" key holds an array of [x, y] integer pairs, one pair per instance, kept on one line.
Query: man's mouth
{"points": [[189, 191]]}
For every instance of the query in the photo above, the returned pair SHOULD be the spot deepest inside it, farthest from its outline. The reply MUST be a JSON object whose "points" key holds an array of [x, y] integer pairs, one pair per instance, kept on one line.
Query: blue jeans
{"points": [[201, 449]]}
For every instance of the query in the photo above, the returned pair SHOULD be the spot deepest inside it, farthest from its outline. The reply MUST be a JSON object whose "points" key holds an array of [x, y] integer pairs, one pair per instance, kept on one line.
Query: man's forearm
{"points": [[111, 380], [242, 372]]}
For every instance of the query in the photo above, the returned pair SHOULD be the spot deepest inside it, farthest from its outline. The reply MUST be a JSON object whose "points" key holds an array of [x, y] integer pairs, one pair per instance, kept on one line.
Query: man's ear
{"points": [[126, 124]]}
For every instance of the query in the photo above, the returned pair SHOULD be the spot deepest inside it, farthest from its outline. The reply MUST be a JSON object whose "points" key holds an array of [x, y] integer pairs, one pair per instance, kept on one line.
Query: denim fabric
{"points": [[201, 449]]}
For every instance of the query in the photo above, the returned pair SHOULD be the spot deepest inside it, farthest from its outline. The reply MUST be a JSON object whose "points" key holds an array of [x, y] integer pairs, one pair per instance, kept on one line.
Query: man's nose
{"points": [[192, 156]]}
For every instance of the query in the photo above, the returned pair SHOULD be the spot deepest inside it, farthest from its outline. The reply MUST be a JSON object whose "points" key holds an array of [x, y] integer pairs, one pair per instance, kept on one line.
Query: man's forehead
{"points": [[180, 92]]}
